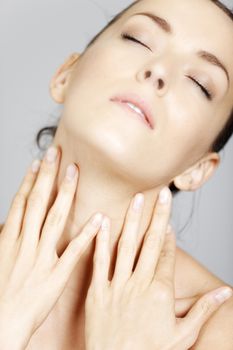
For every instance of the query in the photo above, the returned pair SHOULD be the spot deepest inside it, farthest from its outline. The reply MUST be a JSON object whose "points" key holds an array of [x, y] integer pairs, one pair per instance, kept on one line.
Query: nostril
{"points": [[147, 74], [160, 83]]}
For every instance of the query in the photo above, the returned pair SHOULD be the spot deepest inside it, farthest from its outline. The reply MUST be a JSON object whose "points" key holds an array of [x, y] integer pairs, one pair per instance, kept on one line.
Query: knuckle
{"points": [[85, 233], [162, 292], [35, 199], [163, 255], [126, 246], [92, 298], [46, 169], [152, 240], [161, 211], [205, 307], [167, 255], [54, 218], [142, 281], [67, 187], [103, 241], [99, 260], [168, 283], [19, 200], [75, 247], [160, 240], [170, 254]]}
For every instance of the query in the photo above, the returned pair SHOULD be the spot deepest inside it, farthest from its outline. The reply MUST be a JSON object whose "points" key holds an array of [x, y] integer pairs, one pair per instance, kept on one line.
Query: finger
{"points": [[76, 248], [38, 200], [154, 239], [56, 219], [127, 244], [101, 260], [183, 305], [14, 220], [165, 269], [201, 312]]}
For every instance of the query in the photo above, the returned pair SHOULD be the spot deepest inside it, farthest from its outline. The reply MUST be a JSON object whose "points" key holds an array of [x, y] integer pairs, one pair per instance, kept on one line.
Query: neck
{"points": [[100, 189]]}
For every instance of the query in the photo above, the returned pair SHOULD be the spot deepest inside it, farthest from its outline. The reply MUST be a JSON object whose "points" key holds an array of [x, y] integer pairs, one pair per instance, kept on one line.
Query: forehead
{"points": [[197, 24]]}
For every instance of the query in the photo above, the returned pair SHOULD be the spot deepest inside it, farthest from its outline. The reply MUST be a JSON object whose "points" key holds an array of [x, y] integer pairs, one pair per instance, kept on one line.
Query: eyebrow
{"points": [[166, 27]]}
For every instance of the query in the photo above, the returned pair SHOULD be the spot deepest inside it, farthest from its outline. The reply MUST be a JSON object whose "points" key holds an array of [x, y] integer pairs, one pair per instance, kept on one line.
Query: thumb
{"points": [[202, 310], [183, 305]]}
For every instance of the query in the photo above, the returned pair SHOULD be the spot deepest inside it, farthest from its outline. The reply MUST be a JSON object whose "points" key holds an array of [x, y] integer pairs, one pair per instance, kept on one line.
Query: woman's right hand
{"points": [[136, 309], [32, 275]]}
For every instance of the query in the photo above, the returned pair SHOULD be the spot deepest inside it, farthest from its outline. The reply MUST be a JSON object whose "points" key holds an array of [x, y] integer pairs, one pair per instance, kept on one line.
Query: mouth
{"points": [[137, 106]]}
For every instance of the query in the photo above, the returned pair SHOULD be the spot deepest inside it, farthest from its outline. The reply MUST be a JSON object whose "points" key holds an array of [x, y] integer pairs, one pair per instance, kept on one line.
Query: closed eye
{"points": [[126, 36], [203, 89]]}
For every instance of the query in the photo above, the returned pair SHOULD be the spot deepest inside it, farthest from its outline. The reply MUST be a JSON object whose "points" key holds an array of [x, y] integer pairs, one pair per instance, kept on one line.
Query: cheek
{"points": [[186, 132], [98, 76], [190, 116]]}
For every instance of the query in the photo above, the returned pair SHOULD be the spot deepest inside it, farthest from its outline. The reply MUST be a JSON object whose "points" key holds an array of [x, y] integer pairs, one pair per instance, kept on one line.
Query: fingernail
{"points": [[105, 224], [138, 201], [35, 166], [164, 195], [223, 295], [71, 172], [51, 154], [96, 220]]}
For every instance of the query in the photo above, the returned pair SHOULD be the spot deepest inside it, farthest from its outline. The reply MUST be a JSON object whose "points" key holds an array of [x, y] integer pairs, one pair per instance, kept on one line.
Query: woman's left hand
{"points": [[136, 309]]}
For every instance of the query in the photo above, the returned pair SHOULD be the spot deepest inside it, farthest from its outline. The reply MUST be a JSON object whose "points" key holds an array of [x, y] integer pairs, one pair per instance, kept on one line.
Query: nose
{"points": [[157, 74], [159, 82]]}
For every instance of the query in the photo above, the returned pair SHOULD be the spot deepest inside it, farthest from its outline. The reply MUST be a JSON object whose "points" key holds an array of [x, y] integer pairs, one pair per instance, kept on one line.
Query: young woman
{"points": [[147, 105]]}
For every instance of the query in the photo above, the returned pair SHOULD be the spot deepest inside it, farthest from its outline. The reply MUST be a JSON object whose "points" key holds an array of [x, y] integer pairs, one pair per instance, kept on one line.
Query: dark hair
{"points": [[221, 139]]}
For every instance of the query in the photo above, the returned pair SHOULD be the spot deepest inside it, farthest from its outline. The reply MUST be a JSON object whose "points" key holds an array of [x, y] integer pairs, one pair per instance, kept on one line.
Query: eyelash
{"points": [[204, 90]]}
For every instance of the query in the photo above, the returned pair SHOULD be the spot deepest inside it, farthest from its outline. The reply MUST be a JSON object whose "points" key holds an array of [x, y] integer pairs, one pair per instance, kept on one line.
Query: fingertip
{"points": [[97, 220], [105, 226], [35, 166], [223, 294], [165, 196]]}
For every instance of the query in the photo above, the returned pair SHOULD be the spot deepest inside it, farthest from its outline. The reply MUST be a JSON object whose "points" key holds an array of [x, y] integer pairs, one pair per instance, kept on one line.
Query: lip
{"points": [[139, 102]]}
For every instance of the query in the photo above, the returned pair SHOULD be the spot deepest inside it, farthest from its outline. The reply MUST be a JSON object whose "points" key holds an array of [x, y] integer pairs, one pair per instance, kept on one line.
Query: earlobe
{"points": [[194, 177], [60, 79]]}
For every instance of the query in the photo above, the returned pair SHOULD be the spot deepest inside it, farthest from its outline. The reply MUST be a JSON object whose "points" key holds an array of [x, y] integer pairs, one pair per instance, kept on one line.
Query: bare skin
{"points": [[57, 332], [47, 334], [93, 134]]}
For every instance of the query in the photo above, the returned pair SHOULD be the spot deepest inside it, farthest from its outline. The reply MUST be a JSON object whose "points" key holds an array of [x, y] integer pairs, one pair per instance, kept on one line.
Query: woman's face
{"points": [[187, 118]]}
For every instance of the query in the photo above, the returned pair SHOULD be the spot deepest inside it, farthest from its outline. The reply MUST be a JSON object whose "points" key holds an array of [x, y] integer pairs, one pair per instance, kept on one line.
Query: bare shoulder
{"points": [[193, 279]]}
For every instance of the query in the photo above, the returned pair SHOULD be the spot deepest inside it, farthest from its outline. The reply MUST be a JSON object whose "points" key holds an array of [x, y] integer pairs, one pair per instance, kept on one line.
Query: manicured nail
{"points": [[164, 195], [223, 295], [51, 154], [35, 166], [138, 201], [71, 171], [97, 219]]}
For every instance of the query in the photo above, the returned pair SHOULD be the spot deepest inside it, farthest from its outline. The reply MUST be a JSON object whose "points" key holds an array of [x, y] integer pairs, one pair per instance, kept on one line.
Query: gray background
{"points": [[35, 38]]}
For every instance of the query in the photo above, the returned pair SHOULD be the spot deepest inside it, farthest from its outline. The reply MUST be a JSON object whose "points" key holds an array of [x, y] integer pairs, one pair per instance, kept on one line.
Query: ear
{"points": [[60, 79], [194, 177]]}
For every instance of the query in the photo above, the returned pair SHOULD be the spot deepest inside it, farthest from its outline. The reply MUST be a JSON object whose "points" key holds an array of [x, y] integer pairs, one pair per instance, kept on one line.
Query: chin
{"points": [[112, 143]]}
